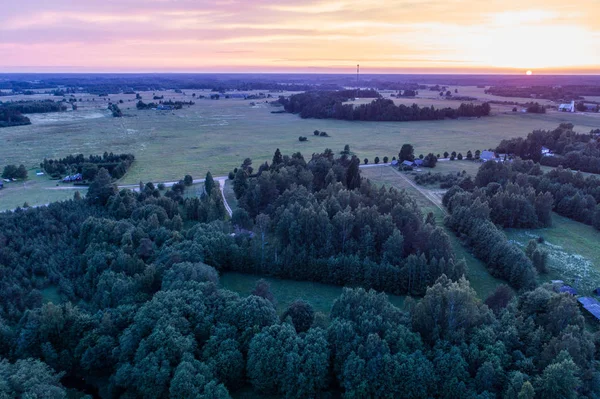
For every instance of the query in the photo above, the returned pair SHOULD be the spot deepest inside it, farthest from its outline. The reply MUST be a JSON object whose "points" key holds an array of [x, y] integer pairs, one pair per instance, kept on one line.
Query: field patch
{"points": [[573, 252], [320, 296]]}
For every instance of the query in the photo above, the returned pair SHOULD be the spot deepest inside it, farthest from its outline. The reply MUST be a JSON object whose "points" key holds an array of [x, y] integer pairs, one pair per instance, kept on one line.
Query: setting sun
{"points": [[528, 73]]}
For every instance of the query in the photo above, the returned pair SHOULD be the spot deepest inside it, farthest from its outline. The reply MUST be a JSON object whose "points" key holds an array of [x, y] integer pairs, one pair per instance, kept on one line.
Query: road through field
{"points": [[426, 193]]}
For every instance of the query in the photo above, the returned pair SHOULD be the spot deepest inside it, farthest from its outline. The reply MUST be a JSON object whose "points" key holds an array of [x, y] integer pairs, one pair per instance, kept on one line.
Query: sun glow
{"points": [[528, 73]]}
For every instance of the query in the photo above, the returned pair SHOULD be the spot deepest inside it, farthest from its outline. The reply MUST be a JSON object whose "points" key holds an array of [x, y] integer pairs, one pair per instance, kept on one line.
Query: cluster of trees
{"points": [[448, 180], [142, 105], [141, 313], [34, 107], [116, 111], [550, 92], [116, 164], [579, 151], [14, 172], [470, 219], [535, 108], [11, 117], [324, 223], [567, 193], [330, 105]]}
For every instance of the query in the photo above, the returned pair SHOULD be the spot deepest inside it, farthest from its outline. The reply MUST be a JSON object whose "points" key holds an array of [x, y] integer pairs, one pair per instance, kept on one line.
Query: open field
{"points": [[477, 273], [217, 135], [573, 252], [320, 296], [36, 190]]}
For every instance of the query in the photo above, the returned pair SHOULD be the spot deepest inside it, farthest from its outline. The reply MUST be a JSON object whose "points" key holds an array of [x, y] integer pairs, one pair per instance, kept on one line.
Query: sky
{"points": [[383, 36]]}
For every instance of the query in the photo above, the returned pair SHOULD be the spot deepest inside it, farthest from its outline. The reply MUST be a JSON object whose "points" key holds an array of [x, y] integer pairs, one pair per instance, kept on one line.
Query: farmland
{"points": [[217, 135]]}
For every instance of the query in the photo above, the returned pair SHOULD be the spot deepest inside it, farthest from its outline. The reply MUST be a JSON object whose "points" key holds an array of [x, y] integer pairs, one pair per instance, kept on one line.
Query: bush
{"points": [[302, 138]]}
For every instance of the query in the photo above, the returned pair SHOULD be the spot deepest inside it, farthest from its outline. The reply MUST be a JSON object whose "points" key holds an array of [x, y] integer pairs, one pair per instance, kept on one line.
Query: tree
{"points": [[469, 155], [385, 159], [406, 153], [459, 156], [101, 189], [188, 180], [89, 171], [262, 223], [209, 183], [366, 161], [446, 154], [559, 379], [301, 313], [376, 160], [21, 172], [277, 158], [263, 290]]}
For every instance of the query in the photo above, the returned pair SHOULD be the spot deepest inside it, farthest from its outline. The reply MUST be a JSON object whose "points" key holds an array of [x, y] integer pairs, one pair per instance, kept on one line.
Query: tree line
{"points": [[579, 151], [116, 164], [330, 105], [567, 193]]}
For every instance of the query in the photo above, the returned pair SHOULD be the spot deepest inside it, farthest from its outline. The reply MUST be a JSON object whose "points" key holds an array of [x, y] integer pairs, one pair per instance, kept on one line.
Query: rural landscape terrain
{"points": [[299, 236]]}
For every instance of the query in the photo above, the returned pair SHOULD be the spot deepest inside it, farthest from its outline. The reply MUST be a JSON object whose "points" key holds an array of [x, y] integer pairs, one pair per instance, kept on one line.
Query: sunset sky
{"points": [[300, 36]]}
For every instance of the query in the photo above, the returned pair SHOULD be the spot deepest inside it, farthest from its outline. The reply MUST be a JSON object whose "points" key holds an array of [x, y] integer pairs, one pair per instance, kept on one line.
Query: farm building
{"points": [[567, 107], [591, 305], [407, 163], [546, 152], [394, 162], [75, 177], [591, 107], [419, 162], [487, 156]]}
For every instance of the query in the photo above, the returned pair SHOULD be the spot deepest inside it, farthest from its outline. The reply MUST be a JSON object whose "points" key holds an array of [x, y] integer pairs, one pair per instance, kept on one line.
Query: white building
{"points": [[567, 107], [546, 152]]}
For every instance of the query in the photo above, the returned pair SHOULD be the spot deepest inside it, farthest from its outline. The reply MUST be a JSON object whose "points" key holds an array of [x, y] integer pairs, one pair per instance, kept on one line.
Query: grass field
{"points": [[573, 252], [477, 273], [217, 135], [36, 190], [320, 296]]}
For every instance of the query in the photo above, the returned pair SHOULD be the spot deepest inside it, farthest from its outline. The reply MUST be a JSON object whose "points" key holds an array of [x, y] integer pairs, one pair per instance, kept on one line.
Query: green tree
{"points": [[101, 189], [301, 313], [407, 153], [559, 379], [209, 183]]}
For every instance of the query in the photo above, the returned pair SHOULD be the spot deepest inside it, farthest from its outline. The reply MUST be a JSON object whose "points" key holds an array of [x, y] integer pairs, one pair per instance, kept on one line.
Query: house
{"points": [[407, 163], [394, 162], [567, 107], [487, 156], [546, 152], [75, 177], [591, 305], [591, 107], [419, 162]]}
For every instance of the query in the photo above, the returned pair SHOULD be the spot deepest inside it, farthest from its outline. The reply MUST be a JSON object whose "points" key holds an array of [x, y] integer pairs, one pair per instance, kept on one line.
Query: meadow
{"points": [[573, 252], [217, 135], [320, 296]]}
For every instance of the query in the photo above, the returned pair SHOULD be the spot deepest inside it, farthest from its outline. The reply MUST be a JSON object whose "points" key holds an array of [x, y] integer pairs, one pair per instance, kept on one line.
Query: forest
{"points": [[116, 164], [330, 105], [579, 151], [142, 314]]}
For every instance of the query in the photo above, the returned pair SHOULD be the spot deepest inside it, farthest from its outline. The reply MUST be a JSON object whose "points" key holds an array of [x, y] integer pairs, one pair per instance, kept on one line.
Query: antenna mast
{"points": [[357, 71]]}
